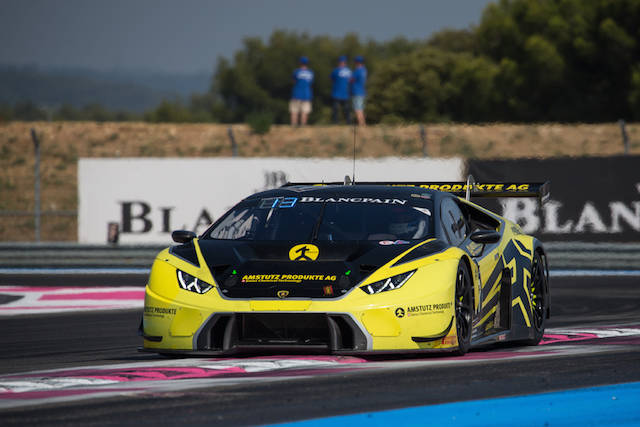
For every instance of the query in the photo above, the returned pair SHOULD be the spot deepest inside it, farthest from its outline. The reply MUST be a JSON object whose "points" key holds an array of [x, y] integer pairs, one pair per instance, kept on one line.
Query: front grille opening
{"points": [[275, 329], [345, 338], [308, 332], [217, 332]]}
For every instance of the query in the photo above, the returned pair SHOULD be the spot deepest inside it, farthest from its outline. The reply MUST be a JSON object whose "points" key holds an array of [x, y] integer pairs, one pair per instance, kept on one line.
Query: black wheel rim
{"points": [[463, 306], [537, 293]]}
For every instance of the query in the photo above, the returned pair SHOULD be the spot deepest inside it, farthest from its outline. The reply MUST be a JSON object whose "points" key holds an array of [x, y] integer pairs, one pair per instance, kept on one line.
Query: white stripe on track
{"points": [[57, 299]]}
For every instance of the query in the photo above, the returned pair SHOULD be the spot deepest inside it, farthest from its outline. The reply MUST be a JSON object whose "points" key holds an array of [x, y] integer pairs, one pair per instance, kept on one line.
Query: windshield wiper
{"points": [[316, 227]]}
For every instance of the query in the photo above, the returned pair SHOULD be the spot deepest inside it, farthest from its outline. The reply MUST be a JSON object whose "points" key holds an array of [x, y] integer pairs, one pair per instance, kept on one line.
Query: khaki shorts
{"points": [[299, 106]]}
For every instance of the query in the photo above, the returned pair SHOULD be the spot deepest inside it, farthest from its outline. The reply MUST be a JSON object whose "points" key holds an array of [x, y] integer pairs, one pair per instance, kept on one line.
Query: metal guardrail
{"points": [[561, 255], [585, 255], [73, 255]]}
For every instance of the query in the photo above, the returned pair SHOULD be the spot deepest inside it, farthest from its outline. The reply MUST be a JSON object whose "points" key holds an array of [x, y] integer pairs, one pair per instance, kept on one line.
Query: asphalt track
{"points": [[108, 339]]}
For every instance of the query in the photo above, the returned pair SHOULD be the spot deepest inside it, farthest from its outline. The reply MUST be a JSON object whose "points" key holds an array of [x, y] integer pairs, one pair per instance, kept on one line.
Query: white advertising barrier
{"points": [[149, 198]]}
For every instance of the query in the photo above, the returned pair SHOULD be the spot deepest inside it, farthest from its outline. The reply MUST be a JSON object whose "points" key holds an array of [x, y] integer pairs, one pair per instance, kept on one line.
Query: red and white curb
{"points": [[16, 300], [158, 376], [169, 376]]}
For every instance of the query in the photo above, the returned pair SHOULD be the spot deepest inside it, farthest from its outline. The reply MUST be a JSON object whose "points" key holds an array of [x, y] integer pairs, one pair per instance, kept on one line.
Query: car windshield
{"points": [[328, 219]]}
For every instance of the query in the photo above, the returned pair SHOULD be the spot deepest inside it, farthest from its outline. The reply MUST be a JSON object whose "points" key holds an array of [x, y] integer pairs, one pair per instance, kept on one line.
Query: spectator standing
{"points": [[358, 89], [341, 77], [302, 93]]}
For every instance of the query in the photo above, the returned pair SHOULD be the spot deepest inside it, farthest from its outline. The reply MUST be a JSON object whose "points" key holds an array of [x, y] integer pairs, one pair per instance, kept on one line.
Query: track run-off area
{"points": [[68, 356]]}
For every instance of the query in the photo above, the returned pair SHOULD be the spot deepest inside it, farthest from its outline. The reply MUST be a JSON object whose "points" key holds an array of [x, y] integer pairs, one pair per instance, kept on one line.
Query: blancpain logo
{"points": [[352, 200], [620, 217]]}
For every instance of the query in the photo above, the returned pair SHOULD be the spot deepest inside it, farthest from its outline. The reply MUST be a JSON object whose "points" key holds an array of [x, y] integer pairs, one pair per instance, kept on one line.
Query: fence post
{"points": [[36, 173], [423, 136], [234, 146], [625, 137]]}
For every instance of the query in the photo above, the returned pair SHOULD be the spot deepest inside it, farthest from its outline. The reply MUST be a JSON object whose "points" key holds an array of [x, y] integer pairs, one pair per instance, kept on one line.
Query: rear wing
{"points": [[468, 189]]}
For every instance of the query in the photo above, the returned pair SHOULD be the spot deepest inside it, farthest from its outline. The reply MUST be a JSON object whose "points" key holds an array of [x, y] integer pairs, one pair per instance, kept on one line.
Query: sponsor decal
{"points": [[393, 242], [282, 294], [352, 200], [327, 290], [400, 312], [420, 310], [422, 196], [304, 252], [478, 187], [287, 278], [152, 311], [277, 202]]}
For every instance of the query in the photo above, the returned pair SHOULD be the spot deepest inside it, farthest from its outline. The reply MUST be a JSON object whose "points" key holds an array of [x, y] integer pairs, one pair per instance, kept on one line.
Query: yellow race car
{"points": [[349, 269]]}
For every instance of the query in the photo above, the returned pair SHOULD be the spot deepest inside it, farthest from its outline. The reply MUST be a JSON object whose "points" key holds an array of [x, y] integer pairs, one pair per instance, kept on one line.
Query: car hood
{"points": [[269, 269]]}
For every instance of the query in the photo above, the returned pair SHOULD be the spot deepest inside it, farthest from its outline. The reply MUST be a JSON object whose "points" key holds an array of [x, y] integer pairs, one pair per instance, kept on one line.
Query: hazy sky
{"points": [[188, 35]]}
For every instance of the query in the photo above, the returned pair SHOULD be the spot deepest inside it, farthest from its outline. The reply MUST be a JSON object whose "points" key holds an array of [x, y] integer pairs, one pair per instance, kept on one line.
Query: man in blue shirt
{"points": [[341, 76], [358, 90], [301, 95]]}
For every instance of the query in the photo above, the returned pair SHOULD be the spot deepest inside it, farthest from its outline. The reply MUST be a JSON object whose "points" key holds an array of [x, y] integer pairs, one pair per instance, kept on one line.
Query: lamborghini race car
{"points": [[349, 269]]}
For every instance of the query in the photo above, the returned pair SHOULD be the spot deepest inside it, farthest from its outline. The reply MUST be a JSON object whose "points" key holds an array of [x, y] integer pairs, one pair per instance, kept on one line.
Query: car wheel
{"points": [[464, 308], [537, 292]]}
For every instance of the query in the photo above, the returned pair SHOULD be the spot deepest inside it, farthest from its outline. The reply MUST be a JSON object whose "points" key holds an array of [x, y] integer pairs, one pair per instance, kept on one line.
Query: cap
{"points": [[343, 58], [304, 60], [359, 58]]}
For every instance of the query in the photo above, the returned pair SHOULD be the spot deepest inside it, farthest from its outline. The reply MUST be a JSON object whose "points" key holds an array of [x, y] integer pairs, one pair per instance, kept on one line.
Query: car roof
{"points": [[384, 191]]}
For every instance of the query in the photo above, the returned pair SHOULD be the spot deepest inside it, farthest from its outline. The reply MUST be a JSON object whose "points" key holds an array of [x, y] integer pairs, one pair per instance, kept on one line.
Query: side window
{"points": [[453, 221]]}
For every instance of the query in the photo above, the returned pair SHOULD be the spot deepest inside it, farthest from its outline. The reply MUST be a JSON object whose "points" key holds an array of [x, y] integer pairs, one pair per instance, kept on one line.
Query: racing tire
{"points": [[537, 292], [463, 308]]}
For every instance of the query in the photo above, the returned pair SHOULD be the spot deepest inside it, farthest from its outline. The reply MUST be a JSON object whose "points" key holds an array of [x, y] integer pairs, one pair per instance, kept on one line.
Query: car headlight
{"points": [[191, 283], [393, 282]]}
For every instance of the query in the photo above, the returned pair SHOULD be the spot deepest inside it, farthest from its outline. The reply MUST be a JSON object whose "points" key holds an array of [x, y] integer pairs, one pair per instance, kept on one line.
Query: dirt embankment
{"points": [[62, 143]]}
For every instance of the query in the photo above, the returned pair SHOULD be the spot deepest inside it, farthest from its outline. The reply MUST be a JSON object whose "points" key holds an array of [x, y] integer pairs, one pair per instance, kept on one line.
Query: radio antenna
{"points": [[353, 176]]}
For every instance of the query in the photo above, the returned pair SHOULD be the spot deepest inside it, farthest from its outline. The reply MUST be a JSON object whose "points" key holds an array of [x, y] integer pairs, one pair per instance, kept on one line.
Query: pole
{"points": [[353, 174], [36, 189], [423, 136], [625, 137], [234, 146]]}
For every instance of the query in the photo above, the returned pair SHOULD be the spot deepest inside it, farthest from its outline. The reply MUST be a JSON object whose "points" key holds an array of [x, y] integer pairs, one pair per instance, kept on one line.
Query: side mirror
{"points": [[183, 236], [485, 236]]}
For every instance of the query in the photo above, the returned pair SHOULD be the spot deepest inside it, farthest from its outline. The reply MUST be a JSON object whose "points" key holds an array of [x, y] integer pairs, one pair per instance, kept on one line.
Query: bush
{"points": [[169, 112], [260, 122]]}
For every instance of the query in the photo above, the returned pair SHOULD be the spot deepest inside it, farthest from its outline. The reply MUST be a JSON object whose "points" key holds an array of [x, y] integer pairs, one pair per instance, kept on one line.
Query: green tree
{"points": [[29, 111], [260, 76], [564, 59], [634, 93], [453, 40], [67, 112], [6, 113], [433, 85], [527, 60], [169, 112]]}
